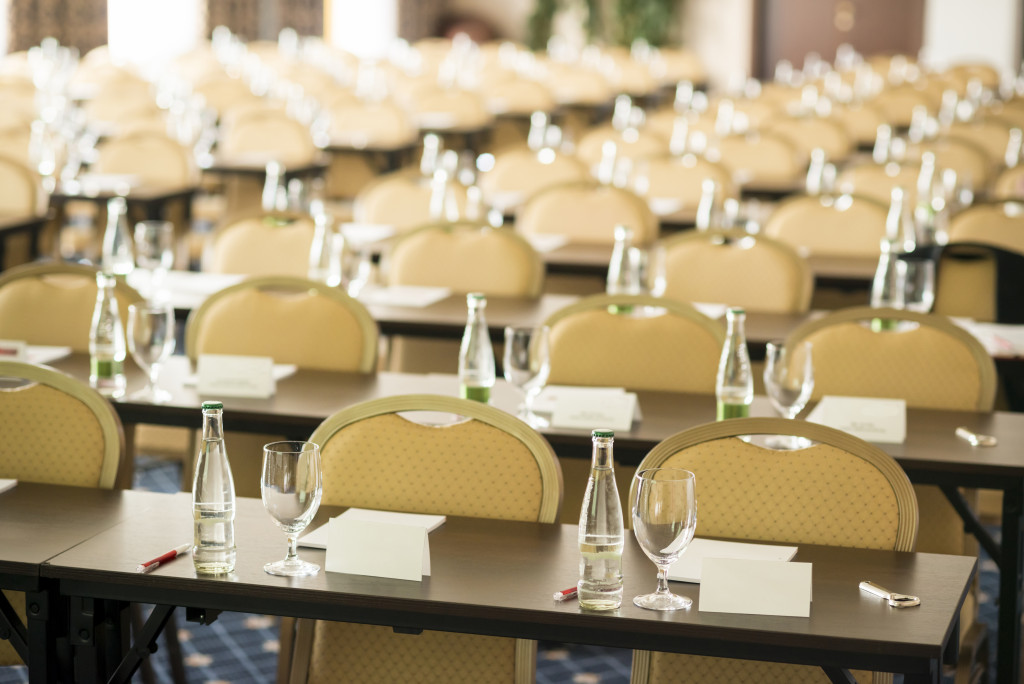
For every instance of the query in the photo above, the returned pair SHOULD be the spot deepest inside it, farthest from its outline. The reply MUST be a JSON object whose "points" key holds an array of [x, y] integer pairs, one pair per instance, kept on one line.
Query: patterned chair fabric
{"points": [[488, 465], [587, 213], [268, 244], [841, 491], [660, 344], [702, 267], [830, 225]]}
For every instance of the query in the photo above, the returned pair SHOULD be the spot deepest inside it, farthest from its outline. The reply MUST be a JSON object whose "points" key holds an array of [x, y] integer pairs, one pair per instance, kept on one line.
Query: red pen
{"points": [[565, 594], [150, 566]]}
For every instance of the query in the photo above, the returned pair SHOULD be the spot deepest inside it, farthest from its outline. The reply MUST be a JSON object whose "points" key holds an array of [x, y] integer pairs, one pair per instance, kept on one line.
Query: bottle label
{"points": [[105, 368], [726, 411], [481, 394]]}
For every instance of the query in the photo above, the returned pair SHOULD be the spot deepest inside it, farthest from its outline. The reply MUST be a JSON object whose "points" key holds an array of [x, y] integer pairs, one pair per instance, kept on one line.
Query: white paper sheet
{"points": [[547, 242], [6, 484], [688, 567], [755, 587], [46, 354], [872, 419], [403, 295], [317, 539]]}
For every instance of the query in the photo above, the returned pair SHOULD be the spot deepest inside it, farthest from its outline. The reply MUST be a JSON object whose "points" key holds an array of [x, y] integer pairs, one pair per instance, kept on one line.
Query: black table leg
{"points": [[1011, 573]]}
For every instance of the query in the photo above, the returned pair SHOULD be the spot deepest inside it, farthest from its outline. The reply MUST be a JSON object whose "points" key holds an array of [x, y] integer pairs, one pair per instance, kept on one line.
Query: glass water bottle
{"points": [[734, 385], [118, 256], [476, 356], [107, 348], [213, 498], [601, 532]]}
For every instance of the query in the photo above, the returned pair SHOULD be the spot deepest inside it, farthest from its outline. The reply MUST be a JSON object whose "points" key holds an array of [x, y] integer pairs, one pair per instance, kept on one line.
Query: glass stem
{"points": [[154, 373], [293, 552], [663, 580]]}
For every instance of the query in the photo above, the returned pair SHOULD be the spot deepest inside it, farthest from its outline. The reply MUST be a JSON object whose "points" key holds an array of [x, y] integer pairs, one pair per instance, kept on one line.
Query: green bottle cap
{"points": [[212, 405], [603, 433]]}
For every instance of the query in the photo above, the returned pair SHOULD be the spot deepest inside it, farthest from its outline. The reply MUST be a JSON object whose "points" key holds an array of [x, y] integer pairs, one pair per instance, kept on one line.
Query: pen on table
{"points": [[151, 565], [565, 594]]}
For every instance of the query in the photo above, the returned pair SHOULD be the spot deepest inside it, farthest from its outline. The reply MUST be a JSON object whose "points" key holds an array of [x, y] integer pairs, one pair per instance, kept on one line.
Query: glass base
{"points": [[663, 601], [295, 568]]}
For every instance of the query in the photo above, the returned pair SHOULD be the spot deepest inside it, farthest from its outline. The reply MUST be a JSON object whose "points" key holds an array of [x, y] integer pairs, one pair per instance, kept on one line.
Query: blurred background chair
{"points": [[841, 491], [980, 281], [673, 185], [519, 173], [876, 181], [762, 160], [829, 225], [402, 199], [1000, 224], [265, 244], [462, 468], [587, 213]]}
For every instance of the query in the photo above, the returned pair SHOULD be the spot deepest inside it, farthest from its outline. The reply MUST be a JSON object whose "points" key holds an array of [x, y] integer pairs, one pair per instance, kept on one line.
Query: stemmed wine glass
{"points": [[154, 251], [664, 520], [526, 365], [789, 382], [150, 341], [291, 486]]}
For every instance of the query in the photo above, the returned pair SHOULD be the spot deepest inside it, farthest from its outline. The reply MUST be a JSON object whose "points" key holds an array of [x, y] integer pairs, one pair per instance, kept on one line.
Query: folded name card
{"points": [[589, 407], [366, 233], [236, 376], [317, 539], [38, 353], [6, 484], [755, 587], [14, 350], [873, 420], [688, 567], [377, 549], [413, 296]]}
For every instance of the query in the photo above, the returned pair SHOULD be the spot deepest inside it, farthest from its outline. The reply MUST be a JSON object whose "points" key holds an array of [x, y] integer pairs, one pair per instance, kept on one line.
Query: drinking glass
{"points": [[154, 251], [150, 341], [789, 383], [526, 365], [291, 486], [664, 520], [919, 280]]}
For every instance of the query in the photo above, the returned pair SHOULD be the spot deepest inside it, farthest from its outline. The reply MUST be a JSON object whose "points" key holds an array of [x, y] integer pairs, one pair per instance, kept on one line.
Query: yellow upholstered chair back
{"points": [[380, 124], [291, 320], [467, 258], [655, 344], [990, 134], [587, 213], [735, 268], [679, 181], [841, 491], [157, 160], [88, 449], [52, 304], [1009, 184], [762, 159], [834, 225], [514, 95], [972, 164], [520, 172], [221, 92], [487, 465], [19, 189], [1000, 224], [264, 134], [810, 132], [629, 144], [876, 181], [860, 120], [14, 143], [436, 108], [897, 103], [267, 244], [402, 200]]}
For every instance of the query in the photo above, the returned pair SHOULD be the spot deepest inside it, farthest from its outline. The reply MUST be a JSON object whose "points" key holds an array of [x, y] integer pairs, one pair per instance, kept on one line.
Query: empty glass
{"points": [[664, 521], [527, 364], [150, 341], [291, 486], [154, 251], [919, 282], [788, 382]]}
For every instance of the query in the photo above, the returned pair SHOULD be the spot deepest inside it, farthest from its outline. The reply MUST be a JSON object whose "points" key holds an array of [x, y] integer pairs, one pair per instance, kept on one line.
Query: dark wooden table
{"points": [[496, 578]]}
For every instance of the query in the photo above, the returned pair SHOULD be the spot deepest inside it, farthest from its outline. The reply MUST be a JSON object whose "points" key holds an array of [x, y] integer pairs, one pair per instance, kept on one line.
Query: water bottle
{"points": [[600, 532], [275, 193], [734, 385], [118, 257], [623, 274], [213, 498], [476, 357], [107, 346]]}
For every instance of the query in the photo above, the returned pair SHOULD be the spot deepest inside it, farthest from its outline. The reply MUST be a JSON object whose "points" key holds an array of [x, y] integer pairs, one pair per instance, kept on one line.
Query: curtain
{"points": [[305, 16], [241, 16], [78, 23], [419, 18]]}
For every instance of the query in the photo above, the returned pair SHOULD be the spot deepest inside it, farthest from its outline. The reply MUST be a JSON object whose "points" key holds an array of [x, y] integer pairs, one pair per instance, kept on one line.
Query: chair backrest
{"points": [[19, 189], [88, 450], [1000, 224], [371, 124], [876, 181], [631, 144], [514, 95], [980, 281], [520, 172], [52, 304], [681, 179], [923, 358], [635, 341], [1009, 184], [274, 243], [970, 161], [897, 103], [835, 225], [265, 134], [489, 465], [402, 199], [702, 266], [587, 213], [841, 491], [860, 120], [433, 107], [467, 257], [810, 132], [762, 159], [291, 320], [155, 159]]}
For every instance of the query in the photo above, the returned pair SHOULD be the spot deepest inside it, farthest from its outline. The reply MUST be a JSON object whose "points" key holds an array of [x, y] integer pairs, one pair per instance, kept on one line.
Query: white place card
{"points": [[38, 353], [872, 419], [14, 350], [755, 587], [411, 296], [547, 242], [358, 234], [7, 483], [377, 549], [999, 339], [236, 376], [688, 567], [588, 410], [317, 539], [710, 309]]}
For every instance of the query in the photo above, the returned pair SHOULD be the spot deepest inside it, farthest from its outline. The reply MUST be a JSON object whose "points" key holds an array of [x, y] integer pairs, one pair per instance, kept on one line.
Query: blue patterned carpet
{"points": [[240, 648]]}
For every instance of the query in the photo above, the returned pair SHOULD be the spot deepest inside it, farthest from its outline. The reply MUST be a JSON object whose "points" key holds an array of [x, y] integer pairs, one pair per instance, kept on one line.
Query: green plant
{"points": [[611, 22]]}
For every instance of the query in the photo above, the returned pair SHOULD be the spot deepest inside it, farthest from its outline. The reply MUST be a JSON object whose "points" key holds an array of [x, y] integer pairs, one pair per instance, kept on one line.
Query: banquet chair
{"points": [[87, 451], [973, 166], [365, 127], [898, 102], [21, 194], [402, 199], [842, 491], [876, 181], [487, 465], [587, 213], [980, 281], [991, 135], [810, 132], [631, 144], [1009, 184], [928, 361], [678, 182], [519, 173], [860, 120], [1000, 224], [156, 160], [763, 160], [702, 266], [832, 225], [292, 321], [269, 243]]}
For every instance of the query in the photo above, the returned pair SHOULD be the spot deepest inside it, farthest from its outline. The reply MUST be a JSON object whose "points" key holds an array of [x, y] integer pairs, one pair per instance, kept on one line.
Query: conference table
{"points": [[931, 453], [488, 577]]}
